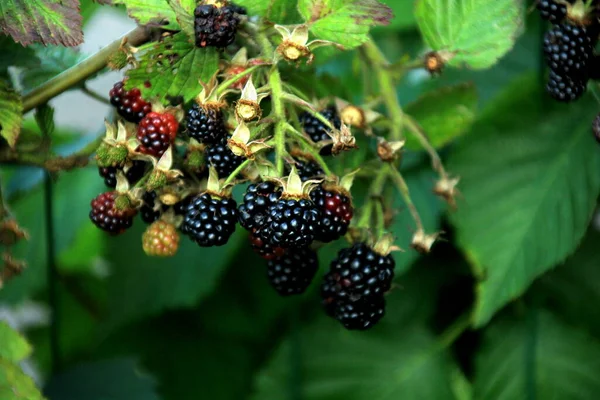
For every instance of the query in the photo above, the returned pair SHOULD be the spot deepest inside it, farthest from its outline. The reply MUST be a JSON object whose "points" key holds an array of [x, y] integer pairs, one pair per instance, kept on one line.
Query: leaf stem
{"points": [[94, 95], [417, 131], [405, 193], [387, 87], [237, 171], [309, 148], [80, 72], [223, 87]]}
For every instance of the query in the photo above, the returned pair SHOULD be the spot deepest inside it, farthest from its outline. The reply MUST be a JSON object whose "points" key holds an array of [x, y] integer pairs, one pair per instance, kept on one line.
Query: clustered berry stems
{"points": [[387, 87], [80, 72]]}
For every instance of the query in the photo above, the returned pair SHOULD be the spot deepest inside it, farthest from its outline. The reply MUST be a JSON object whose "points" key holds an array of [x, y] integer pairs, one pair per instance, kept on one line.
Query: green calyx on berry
{"points": [[195, 160], [119, 141], [162, 174], [240, 143], [580, 12], [215, 186], [208, 98], [294, 188]]}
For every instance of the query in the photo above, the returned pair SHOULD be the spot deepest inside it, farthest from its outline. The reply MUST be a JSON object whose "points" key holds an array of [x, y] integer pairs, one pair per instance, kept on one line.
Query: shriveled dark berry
{"points": [[293, 272], [564, 88], [291, 223], [206, 125], [317, 130], [222, 159], [210, 221], [336, 212], [134, 173], [106, 217], [156, 132], [265, 249], [360, 314], [129, 103], [215, 26], [238, 9], [568, 48], [255, 205]]}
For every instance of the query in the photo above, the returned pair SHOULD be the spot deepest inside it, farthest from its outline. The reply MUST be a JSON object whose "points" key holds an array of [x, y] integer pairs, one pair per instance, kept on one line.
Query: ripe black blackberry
{"points": [[359, 271], [206, 125], [552, 10], [293, 272], [317, 130], [257, 200], [564, 88], [307, 169], [215, 26], [360, 314], [222, 159], [265, 249], [210, 221], [336, 212], [151, 210], [291, 223], [238, 9], [134, 173], [129, 104], [107, 217], [568, 48]]}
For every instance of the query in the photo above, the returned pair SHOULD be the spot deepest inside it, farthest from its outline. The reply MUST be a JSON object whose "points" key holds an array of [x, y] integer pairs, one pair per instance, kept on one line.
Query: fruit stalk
{"points": [[405, 193], [279, 116]]}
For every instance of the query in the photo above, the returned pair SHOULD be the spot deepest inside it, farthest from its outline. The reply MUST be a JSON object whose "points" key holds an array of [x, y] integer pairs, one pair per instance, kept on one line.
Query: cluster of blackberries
{"points": [[353, 289], [569, 50], [216, 25]]}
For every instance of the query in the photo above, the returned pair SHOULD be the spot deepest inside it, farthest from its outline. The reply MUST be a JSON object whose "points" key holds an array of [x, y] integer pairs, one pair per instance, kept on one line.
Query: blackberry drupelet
{"points": [[215, 26], [129, 104], [563, 88], [210, 221], [222, 159], [151, 210], [359, 271], [133, 174], [264, 248], [238, 9], [106, 217], [291, 223], [360, 314], [551, 10], [160, 239], [156, 132], [255, 205], [336, 212], [317, 130], [293, 272], [568, 49], [206, 125]]}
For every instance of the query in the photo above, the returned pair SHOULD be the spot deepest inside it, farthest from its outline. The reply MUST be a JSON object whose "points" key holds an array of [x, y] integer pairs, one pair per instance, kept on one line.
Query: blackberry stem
{"points": [[224, 86], [309, 148], [417, 131], [405, 193], [81, 71], [236, 172], [279, 116], [94, 95]]}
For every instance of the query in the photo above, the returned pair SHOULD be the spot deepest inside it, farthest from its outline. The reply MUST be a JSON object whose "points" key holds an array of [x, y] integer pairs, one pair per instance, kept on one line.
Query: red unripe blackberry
{"points": [[360, 314], [551, 10], [359, 271], [134, 173], [206, 125], [222, 159], [336, 212], [291, 223], [210, 221], [568, 48], [106, 217], [258, 198], [129, 103], [293, 272], [156, 132], [564, 88], [317, 130], [215, 26], [265, 249]]}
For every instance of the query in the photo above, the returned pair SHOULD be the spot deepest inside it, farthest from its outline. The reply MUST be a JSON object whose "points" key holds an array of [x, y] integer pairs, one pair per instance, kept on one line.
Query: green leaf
{"points": [[151, 12], [14, 347], [392, 361], [472, 33], [573, 289], [44, 21], [344, 22], [443, 114], [111, 379], [11, 116], [177, 282], [530, 176], [404, 16], [538, 358], [13, 54], [184, 12], [54, 60], [278, 11], [173, 67], [44, 117], [15, 384]]}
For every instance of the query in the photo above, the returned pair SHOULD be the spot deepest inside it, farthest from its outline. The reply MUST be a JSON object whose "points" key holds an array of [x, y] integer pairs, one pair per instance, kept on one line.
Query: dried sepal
{"points": [[240, 143], [356, 116], [247, 107], [446, 188], [295, 46], [208, 97], [423, 242], [11, 232], [390, 151], [435, 61], [216, 186], [384, 245], [293, 187], [343, 139]]}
